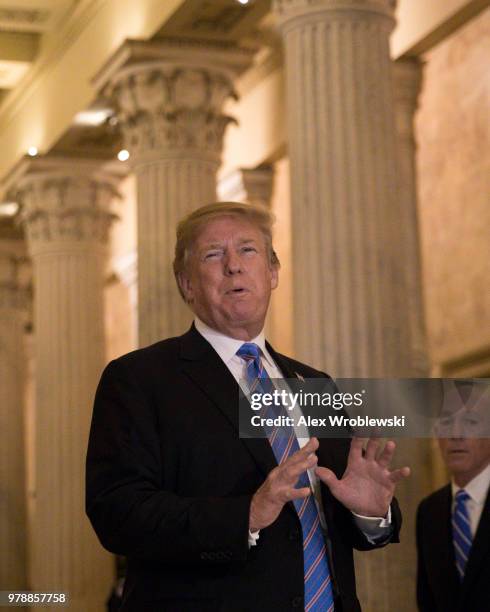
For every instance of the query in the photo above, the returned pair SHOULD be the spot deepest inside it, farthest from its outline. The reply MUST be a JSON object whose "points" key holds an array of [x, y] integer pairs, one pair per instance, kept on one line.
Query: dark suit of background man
{"points": [[209, 521], [453, 524]]}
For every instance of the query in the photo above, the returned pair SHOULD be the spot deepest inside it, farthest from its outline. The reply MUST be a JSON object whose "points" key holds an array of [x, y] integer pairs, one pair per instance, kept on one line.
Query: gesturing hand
{"points": [[367, 486], [279, 487]]}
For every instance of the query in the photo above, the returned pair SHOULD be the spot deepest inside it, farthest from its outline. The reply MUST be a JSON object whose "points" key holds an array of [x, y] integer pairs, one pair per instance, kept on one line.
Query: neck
{"points": [[462, 479], [245, 333]]}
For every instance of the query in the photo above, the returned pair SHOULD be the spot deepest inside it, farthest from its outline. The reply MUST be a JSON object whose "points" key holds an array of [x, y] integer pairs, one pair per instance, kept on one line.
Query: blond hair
{"points": [[190, 226]]}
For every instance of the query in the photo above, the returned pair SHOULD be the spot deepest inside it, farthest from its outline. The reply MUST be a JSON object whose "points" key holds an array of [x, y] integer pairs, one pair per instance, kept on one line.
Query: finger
{"points": [[371, 449], [291, 471], [310, 447], [400, 474], [386, 455], [293, 494], [356, 448], [326, 476], [301, 454]]}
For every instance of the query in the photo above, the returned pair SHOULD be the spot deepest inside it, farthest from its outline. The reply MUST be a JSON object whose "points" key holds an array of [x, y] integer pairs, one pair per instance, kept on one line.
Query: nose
{"points": [[232, 263], [457, 429]]}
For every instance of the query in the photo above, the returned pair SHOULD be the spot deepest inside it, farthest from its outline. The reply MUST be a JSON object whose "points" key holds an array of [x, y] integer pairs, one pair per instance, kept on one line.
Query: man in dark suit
{"points": [[453, 524], [207, 520]]}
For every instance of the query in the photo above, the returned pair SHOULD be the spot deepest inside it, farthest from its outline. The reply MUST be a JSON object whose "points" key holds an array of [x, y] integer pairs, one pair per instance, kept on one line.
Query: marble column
{"points": [[350, 293], [252, 185], [350, 315], [66, 213], [407, 82], [169, 97], [13, 500]]}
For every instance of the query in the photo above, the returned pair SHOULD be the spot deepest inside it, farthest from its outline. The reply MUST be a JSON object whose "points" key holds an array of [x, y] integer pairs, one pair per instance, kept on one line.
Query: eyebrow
{"points": [[219, 245]]}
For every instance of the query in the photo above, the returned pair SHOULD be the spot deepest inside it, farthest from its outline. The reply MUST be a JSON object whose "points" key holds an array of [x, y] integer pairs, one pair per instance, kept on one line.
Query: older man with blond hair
{"points": [[207, 520]]}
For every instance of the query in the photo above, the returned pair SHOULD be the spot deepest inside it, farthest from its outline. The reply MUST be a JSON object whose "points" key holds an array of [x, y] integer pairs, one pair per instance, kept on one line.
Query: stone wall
{"points": [[453, 164]]}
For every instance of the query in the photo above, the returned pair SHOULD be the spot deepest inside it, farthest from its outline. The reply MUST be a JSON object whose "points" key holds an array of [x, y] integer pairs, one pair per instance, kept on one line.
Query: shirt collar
{"points": [[477, 488], [227, 347]]}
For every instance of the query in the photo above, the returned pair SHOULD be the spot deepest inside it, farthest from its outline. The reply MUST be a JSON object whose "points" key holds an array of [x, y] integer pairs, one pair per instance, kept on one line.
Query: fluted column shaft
{"points": [[66, 214], [348, 287], [407, 80], [350, 295], [13, 541], [169, 102], [167, 190]]}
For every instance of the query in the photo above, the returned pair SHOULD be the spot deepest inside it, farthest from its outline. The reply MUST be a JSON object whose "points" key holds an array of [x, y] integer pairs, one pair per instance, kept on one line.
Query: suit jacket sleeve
{"points": [[126, 502]]}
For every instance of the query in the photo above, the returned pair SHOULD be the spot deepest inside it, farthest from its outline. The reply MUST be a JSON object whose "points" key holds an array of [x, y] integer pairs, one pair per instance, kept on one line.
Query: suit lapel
{"points": [[205, 368], [440, 549], [481, 547], [281, 363]]}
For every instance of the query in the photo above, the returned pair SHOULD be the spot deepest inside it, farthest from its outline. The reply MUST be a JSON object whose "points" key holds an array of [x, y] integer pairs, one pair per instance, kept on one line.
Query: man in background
{"points": [[453, 524]]}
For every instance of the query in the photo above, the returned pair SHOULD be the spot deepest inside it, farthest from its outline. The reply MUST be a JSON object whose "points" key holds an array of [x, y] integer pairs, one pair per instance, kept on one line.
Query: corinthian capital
{"points": [[65, 202], [169, 96], [170, 109], [14, 280]]}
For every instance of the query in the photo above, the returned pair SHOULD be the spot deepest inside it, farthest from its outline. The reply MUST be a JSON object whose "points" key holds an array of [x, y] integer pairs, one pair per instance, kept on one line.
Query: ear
{"points": [[185, 286], [274, 276]]}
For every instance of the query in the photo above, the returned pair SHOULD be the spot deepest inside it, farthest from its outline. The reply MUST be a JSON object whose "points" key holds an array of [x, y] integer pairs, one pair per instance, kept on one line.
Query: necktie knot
{"points": [[249, 351], [462, 496]]}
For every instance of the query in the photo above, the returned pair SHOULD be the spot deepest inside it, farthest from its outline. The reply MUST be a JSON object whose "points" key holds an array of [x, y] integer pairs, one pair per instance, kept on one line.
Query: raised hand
{"points": [[279, 487], [367, 486]]}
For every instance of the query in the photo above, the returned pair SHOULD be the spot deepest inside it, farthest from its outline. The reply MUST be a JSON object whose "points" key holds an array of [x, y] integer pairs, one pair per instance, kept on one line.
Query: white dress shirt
{"points": [[477, 489], [374, 528]]}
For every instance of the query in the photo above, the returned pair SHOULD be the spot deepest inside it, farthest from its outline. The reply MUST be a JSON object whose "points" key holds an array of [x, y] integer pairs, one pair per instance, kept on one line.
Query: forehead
{"points": [[223, 229]]}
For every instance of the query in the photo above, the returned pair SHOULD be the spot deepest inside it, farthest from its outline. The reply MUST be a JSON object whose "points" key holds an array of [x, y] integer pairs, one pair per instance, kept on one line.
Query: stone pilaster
{"points": [[252, 185], [422, 454], [66, 213], [169, 98], [13, 500], [407, 81], [349, 312]]}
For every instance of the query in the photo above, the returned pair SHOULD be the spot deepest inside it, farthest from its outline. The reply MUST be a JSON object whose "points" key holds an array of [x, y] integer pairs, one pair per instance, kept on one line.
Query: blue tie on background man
{"points": [[462, 537]]}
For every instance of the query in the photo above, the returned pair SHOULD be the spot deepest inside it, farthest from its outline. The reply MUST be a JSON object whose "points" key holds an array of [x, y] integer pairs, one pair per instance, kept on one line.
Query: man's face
{"points": [[229, 278], [465, 457]]}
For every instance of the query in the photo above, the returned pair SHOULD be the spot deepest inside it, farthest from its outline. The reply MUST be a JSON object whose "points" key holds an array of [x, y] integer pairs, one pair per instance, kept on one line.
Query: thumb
{"points": [[326, 476]]}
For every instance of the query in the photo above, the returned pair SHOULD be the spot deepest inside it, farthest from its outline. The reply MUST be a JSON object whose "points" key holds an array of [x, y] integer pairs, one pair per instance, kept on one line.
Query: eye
{"points": [[212, 255], [249, 249], [447, 422]]}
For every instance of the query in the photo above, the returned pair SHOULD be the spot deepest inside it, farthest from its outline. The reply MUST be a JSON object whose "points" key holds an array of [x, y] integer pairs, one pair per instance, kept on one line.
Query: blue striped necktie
{"points": [[462, 537], [317, 581]]}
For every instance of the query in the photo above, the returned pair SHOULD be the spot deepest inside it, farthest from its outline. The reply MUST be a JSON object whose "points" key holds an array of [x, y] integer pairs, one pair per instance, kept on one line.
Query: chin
{"points": [[244, 313], [458, 465]]}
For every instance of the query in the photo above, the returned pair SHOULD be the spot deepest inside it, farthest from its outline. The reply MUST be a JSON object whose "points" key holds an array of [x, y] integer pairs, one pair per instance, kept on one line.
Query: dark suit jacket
{"points": [[438, 586], [169, 485]]}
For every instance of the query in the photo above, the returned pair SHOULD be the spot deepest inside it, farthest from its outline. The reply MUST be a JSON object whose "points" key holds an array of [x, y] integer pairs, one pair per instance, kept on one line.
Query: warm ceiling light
{"points": [[32, 151], [243, 1], [93, 117], [8, 209], [123, 155]]}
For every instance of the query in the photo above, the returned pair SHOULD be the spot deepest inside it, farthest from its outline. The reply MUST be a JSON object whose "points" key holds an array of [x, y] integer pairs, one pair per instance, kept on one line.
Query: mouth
{"points": [[237, 291], [457, 452]]}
